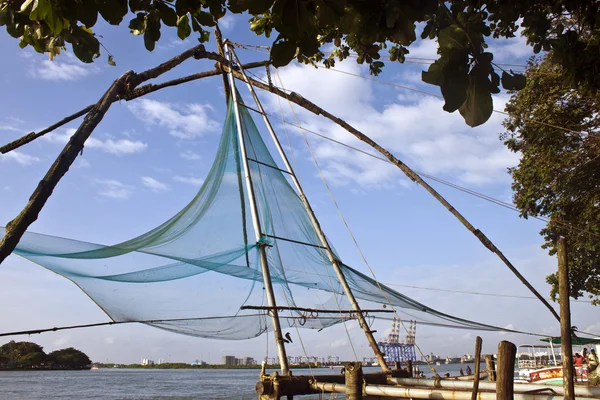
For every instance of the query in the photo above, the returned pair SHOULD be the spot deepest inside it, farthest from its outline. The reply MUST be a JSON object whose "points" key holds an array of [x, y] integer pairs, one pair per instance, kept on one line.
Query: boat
{"points": [[542, 363]]}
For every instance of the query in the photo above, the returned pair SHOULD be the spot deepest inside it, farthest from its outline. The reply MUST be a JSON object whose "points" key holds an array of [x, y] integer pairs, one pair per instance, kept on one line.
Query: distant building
{"points": [[229, 360], [146, 361]]}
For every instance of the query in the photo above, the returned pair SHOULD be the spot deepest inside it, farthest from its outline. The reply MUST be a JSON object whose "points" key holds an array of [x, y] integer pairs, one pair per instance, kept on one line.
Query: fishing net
{"points": [[192, 273]]}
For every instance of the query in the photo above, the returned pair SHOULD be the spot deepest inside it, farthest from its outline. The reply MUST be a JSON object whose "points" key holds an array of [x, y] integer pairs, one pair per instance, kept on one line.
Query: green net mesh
{"points": [[192, 273]]}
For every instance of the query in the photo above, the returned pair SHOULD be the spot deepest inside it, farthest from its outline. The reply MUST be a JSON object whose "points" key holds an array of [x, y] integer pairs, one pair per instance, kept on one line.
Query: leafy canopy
{"points": [[464, 70], [28, 355], [559, 172]]}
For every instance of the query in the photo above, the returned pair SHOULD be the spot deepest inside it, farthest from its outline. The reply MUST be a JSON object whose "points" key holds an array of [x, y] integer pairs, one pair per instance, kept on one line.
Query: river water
{"points": [[116, 383]]}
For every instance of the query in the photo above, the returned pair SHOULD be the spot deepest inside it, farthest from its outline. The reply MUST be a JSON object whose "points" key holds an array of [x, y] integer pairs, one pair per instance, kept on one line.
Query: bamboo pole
{"points": [[17, 227], [312, 107], [354, 380], [430, 393], [129, 81], [409, 368], [565, 320], [478, 342], [580, 391], [506, 369], [134, 94], [283, 360], [362, 322], [490, 365]]}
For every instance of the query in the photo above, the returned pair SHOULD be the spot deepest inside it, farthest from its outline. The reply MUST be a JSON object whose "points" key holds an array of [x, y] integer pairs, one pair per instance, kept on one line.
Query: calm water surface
{"points": [[146, 384]]}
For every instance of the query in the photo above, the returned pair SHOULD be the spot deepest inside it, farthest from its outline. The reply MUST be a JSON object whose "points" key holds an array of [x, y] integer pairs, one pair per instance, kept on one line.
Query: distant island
{"points": [[31, 356]]}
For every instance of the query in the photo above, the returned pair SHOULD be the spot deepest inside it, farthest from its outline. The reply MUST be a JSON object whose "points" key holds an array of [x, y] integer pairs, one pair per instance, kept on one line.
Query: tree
{"points": [[559, 173], [21, 355], [464, 70], [70, 358]]}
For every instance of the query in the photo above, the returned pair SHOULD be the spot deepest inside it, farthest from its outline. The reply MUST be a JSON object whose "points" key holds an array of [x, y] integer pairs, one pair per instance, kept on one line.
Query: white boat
{"points": [[541, 363]]}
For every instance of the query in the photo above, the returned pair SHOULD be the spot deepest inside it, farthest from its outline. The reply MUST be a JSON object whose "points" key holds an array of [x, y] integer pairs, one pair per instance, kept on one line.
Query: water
{"points": [[133, 384]]}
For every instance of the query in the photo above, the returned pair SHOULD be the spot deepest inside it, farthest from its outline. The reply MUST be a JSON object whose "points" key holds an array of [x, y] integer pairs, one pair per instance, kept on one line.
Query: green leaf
{"points": [[204, 18], [40, 9], [183, 27], [112, 11], [149, 43], [254, 7], [204, 36], [309, 45], [282, 52], [514, 81], [86, 14], [435, 75], [451, 38], [455, 92], [85, 45], [478, 106], [139, 5], [167, 14], [137, 25], [111, 61], [26, 5]]}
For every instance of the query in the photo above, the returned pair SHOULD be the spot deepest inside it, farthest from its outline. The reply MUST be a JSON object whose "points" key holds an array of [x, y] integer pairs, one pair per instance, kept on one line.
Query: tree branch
{"points": [[17, 227], [132, 94], [121, 88], [312, 107]]}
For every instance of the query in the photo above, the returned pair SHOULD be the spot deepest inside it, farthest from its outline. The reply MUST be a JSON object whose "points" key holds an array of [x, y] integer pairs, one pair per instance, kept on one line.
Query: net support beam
{"points": [[318, 230], [412, 175], [283, 360]]}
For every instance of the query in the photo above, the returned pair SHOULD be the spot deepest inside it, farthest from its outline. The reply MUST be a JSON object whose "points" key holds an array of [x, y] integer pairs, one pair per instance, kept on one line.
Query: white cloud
{"points": [[65, 67], [227, 22], [114, 189], [423, 48], [183, 121], [9, 127], [61, 341], [189, 155], [20, 158], [419, 133], [154, 185], [189, 180], [82, 163], [112, 146]]}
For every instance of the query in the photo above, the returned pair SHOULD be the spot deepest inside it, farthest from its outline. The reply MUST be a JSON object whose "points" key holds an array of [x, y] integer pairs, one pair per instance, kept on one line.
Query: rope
{"points": [[429, 176], [326, 262], [441, 97], [348, 227]]}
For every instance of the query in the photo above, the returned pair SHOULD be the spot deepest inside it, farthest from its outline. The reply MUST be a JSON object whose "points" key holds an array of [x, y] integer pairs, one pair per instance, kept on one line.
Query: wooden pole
{"points": [[312, 107], [270, 294], [17, 227], [490, 365], [565, 320], [478, 342], [409, 368], [335, 262], [506, 370], [130, 95], [354, 381]]}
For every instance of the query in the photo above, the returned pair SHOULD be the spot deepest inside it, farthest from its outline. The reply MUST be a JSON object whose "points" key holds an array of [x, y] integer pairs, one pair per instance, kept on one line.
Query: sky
{"points": [[149, 157]]}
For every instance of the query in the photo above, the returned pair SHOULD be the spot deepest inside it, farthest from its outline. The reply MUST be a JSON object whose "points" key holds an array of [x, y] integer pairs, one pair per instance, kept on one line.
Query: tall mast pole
{"points": [[319, 231], [283, 361]]}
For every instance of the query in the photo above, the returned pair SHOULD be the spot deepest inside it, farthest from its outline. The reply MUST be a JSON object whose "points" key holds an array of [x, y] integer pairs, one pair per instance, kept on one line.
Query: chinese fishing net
{"points": [[192, 273]]}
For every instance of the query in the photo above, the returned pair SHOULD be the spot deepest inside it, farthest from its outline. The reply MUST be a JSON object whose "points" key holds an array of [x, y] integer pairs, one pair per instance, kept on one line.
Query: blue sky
{"points": [[148, 158]]}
